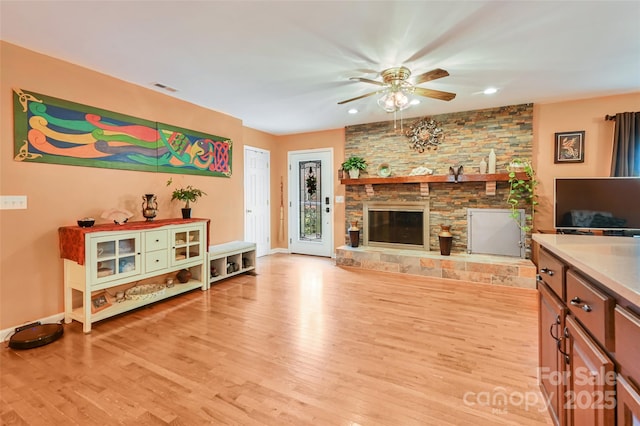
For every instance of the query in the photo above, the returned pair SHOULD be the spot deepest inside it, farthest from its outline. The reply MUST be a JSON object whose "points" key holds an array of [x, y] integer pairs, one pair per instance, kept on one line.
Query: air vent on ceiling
{"points": [[165, 87]]}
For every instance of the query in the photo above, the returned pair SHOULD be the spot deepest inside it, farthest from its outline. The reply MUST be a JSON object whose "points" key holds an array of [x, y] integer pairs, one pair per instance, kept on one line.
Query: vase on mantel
{"points": [[483, 167], [445, 238], [354, 173], [354, 234], [492, 161]]}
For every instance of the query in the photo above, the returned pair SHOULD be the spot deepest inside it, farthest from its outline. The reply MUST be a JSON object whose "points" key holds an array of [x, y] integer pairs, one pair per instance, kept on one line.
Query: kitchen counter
{"points": [[612, 261]]}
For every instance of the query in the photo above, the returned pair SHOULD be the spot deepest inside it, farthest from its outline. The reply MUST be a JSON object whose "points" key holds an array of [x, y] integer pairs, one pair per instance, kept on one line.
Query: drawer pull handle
{"points": [[555, 324], [547, 271], [557, 339], [567, 359], [157, 241], [577, 302]]}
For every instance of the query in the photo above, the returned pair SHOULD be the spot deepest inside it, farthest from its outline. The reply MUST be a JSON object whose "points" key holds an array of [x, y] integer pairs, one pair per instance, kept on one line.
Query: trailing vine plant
{"points": [[522, 192]]}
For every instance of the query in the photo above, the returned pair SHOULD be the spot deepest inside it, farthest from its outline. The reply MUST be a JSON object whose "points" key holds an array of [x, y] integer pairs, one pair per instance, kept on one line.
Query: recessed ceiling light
{"points": [[490, 91], [353, 111], [415, 101]]}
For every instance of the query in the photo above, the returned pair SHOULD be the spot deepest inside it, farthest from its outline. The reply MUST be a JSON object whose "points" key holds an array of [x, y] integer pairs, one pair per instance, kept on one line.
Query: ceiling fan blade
{"points": [[366, 80], [436, 94], [359, 97], [430, 75]]}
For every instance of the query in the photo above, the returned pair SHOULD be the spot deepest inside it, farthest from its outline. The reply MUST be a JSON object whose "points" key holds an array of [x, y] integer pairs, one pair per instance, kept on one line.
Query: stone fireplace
{"points": [[469, 137]]}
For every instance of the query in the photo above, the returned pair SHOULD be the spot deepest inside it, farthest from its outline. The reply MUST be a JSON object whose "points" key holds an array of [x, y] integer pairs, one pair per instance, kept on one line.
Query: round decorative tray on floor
{"points": [[145, 292]]}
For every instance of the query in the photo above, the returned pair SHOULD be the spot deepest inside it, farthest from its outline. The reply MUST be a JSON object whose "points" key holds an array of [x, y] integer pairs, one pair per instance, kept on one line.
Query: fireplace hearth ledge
{"points": [[478, 268]]}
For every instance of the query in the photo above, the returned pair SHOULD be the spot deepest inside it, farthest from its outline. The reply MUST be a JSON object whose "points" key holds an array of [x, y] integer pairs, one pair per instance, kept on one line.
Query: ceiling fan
{"points": [[396, 87]]}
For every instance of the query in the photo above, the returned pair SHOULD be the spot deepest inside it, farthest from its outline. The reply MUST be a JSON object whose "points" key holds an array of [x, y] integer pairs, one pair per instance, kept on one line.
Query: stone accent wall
{"points": [[469, 137]]}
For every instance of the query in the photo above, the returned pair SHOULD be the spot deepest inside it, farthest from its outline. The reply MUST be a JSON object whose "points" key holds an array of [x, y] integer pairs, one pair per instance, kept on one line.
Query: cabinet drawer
{"points": [[156, 260], [552, 272], [156, 240], [593, 308], [628, 342]]}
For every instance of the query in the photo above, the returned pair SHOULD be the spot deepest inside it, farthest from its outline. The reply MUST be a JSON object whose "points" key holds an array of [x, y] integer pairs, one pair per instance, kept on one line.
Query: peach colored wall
{"points": [[314, 140], [584, 114], [31, 270]]}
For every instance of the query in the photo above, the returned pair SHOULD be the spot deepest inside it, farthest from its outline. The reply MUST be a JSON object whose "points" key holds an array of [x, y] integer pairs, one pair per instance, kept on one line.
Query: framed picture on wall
{"points": [[569, 147]]}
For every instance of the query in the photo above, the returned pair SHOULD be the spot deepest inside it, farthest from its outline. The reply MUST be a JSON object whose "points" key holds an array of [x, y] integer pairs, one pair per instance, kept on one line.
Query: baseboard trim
{"points": [[280, 250], [8, 332]]}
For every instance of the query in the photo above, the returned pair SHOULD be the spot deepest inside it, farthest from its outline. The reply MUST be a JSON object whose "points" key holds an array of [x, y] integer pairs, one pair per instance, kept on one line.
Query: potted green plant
{"points": [[353, 165], [188, 194], [522, 191]]}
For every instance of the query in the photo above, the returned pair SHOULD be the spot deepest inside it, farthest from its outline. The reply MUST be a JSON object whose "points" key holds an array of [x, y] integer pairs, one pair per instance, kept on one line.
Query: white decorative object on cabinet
{"points": [[229, 259], [109, 259]]}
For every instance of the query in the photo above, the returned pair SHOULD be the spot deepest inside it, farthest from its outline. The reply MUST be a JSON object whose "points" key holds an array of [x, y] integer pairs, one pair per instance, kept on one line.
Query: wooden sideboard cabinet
{"points": [[589, 348], [103, 262]]}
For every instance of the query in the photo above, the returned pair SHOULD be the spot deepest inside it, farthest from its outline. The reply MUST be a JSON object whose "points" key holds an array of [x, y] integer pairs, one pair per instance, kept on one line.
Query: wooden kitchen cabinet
{"points": [[590, 398], [552, 361], [628, 403], [589, 348]]}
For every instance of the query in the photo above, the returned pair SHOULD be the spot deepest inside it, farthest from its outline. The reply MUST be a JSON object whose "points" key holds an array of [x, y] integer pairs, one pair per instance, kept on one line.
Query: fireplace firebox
{"points": [[396, 225]]}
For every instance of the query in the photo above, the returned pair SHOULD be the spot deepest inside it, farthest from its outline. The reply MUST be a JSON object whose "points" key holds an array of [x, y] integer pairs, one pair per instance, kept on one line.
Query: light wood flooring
{"points": [[302, 343]]}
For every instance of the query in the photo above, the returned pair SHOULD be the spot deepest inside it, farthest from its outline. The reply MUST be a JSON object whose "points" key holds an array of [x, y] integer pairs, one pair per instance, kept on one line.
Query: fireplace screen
{"points": [[392, 225], [310, 201]]}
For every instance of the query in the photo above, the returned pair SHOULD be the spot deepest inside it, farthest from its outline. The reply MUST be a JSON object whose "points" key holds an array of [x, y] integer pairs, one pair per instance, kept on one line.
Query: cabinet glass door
{"points": [[187, 245], [116, 257]]}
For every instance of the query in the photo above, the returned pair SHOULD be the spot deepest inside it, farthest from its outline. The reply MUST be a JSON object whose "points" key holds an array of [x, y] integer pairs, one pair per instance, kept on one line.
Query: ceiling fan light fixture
{"points": [[396, 89], [394, 101]]}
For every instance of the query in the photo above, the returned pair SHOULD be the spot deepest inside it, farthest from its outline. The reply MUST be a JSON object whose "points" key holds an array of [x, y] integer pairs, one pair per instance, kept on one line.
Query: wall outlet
{"points": [[13, 202], [339, 198]]}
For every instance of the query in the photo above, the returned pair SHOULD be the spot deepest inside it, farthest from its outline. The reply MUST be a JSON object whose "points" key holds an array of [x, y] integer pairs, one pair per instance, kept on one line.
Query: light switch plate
{"points": [[13, 202], [339, 198]]}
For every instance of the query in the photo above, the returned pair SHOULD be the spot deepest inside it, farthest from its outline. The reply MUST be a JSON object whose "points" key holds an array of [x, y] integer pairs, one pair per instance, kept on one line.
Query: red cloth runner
{"points": [[72, 237]]}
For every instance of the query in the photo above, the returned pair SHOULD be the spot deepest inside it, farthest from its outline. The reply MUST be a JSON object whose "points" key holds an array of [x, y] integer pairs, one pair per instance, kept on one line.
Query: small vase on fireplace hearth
{"points": [[445, 238], [354, 234]]}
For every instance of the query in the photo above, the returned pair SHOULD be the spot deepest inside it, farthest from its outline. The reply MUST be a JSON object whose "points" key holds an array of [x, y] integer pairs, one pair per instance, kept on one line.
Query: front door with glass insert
{"points": [[311, 202]]}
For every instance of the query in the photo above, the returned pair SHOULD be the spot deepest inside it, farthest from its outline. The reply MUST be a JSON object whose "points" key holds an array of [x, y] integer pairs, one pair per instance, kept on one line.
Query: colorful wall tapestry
{"points": [[50, 130]]}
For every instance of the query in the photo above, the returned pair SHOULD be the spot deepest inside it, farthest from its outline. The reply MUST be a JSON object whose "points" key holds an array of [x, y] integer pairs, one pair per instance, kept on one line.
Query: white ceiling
{"points": [[281, 67]]}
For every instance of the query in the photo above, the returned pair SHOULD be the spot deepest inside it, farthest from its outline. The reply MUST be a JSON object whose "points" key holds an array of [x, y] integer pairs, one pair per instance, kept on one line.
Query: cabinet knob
{"points": [[577, 302], [546, 271], [157, 241]]}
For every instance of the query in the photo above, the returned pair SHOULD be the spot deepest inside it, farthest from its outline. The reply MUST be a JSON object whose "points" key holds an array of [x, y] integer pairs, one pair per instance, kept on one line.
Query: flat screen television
{"points": [[610, 204]]}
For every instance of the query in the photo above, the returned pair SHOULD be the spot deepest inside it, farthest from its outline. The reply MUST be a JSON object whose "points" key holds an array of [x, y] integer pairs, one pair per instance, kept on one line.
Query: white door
{"points": [[311, 202], [257, 225]]}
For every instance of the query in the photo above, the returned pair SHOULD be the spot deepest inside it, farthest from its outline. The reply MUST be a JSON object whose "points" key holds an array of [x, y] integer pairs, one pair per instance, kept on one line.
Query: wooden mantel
{"points": [[424, 180]]}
